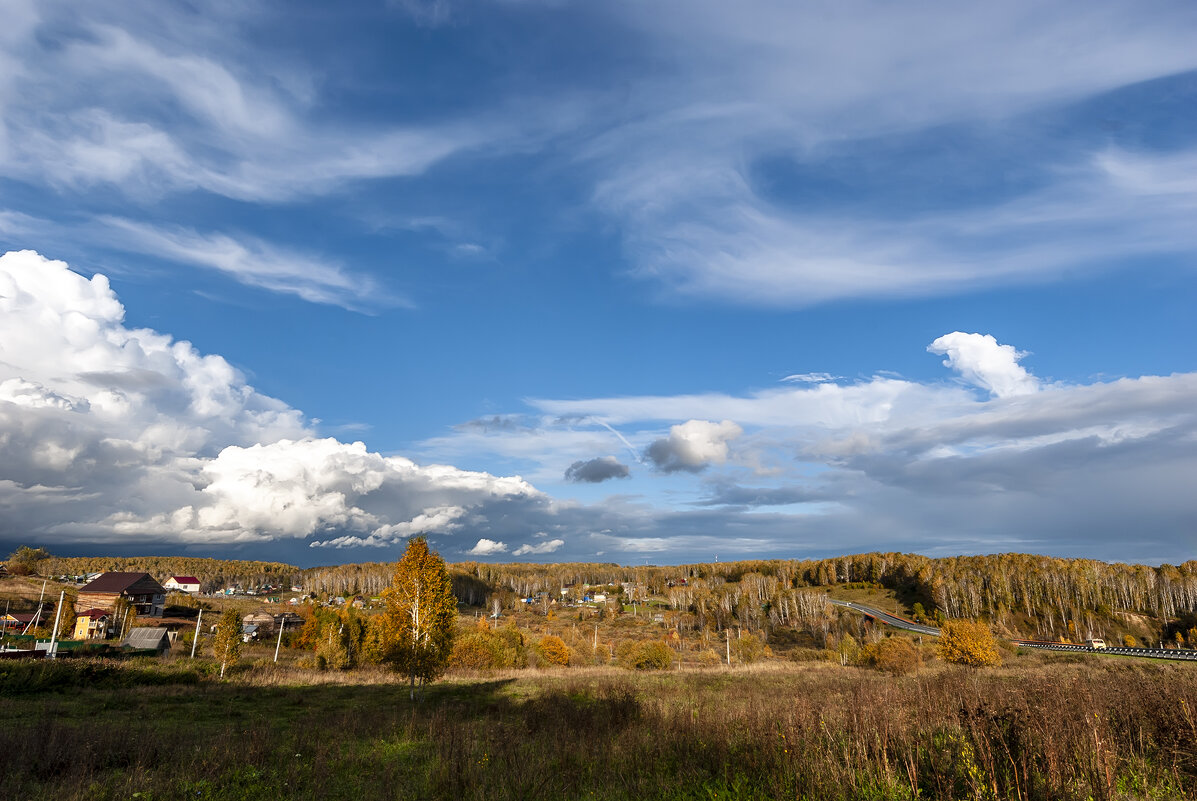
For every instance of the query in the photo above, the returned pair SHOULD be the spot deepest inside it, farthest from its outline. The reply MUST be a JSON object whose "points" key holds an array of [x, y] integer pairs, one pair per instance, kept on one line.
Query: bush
{"points": [[748, 649], [644, 656], [964, 642], [477, 651], [553, 650], [897, 655]]}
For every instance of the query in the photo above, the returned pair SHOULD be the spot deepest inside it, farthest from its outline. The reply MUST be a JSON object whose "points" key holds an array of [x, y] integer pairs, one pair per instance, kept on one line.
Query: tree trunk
{"points": [[413, 686]]}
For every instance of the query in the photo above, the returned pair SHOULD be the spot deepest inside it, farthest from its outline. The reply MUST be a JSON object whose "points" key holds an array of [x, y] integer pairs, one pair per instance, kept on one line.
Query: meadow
{"points": [[1040, 727]]}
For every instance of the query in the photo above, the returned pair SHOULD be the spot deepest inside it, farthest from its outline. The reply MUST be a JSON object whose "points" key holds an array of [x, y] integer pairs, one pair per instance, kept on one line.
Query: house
{"points": [[288, 619], [140, 590], [20, 621], [263, 620], [250, 632], [182, 584], [92, 624], [15, 621], [145, 639]]}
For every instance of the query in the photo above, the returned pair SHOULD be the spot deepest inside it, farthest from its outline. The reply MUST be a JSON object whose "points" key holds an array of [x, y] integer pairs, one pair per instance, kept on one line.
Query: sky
{"points": [[624, 282]]}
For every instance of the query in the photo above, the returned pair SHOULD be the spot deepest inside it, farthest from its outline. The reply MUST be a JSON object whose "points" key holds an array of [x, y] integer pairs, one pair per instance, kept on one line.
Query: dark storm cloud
{"points": [[595, 471]]}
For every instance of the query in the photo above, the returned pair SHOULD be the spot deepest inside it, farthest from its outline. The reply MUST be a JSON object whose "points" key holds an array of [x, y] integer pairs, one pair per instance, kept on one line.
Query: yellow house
{"points": [[91, 624]]}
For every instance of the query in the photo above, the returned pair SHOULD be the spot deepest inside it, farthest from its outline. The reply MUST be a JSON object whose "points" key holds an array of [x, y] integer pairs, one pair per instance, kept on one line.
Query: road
{"points": [[899, 622], [888, 618]]}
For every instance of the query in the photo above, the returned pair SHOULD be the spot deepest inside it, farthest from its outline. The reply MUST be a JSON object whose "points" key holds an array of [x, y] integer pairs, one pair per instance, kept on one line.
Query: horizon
{"points": [[620, 565], [599, 283]]}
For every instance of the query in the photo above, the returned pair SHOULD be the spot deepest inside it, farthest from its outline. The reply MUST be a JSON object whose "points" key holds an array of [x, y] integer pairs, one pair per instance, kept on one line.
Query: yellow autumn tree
{"points": [[226, 643], [554, 650], [419, 624], [964, 642]]}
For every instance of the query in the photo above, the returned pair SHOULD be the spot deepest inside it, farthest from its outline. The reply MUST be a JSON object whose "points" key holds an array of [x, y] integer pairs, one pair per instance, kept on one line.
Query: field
{"points": [[1038, 728]]}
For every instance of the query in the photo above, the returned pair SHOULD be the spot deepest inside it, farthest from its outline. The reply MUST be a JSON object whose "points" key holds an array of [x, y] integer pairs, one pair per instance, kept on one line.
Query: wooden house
{"points": [[139, 589], [263, 620]]}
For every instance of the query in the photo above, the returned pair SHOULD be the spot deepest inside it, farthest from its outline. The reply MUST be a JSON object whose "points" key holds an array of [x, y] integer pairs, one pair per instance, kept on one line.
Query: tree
{"points": [[420, 620], [24, 560], [964, 642], [226, 644], [124, 616], [554, 650]]}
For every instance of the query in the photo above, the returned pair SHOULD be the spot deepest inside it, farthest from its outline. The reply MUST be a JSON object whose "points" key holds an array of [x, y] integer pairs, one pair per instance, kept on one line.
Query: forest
{"points": [[1018, 594]]}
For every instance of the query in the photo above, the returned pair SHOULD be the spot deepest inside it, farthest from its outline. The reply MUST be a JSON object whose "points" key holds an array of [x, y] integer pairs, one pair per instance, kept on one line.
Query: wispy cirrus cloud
{"points": [[253, 261], [697, 176]]}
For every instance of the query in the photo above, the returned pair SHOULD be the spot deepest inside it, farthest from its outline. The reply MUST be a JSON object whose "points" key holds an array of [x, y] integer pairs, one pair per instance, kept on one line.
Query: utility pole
{"points": [[57, 617], [195, 639], [279, 644], [38, 616]]}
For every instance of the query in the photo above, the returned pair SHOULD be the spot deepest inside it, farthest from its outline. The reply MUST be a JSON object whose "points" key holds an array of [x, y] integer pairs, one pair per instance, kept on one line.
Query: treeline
{"points": [[1034, 595], [1040, 595], [213, 574]]}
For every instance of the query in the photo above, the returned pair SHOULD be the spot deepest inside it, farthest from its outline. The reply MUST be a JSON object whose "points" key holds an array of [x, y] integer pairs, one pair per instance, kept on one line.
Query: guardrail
{"points": [[1181, 654]]}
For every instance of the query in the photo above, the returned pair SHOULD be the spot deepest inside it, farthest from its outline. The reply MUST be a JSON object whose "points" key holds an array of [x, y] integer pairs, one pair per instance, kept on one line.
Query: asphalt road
{"points": [[899, 622], [888, 618]]}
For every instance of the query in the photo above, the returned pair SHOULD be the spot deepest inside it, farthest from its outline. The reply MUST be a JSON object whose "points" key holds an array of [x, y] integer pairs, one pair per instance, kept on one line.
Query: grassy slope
{"points": [[1037, 728]]}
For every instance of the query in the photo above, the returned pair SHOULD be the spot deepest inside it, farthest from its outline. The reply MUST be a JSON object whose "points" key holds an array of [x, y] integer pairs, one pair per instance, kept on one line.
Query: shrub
{"points": [[644, 656], [964, 642], [897, 655], [477, 651], [553, 650], [748, 649]]}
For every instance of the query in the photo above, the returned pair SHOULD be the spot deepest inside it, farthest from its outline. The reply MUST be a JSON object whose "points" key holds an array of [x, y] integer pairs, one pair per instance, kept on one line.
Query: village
{"points": [[133, 614]]}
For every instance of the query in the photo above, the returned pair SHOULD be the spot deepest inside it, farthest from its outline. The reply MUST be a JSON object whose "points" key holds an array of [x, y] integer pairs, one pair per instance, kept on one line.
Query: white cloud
{"points": [[540, 548], [809, 378], [142, 437], [486, 547], [982, 361], [169, 103], [791, 84], [252, 261], [693, 445]]}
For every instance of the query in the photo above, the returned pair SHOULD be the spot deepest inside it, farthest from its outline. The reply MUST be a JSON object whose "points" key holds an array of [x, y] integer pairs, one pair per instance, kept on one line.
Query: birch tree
{"points": [[226, 643], [420, 617]]}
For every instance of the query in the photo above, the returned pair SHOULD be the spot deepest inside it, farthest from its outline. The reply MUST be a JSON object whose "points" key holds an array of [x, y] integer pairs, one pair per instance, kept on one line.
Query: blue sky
{"points": [[617, 282]]}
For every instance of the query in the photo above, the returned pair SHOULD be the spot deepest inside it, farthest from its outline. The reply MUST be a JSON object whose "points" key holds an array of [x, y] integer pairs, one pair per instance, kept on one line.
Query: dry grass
{"points": [[1038, 729]]}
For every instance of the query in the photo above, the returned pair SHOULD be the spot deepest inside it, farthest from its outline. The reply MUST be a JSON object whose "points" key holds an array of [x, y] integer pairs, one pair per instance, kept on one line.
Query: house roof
{"points": [[124, 582], [94, 614], [185, 579], [147, 638]]}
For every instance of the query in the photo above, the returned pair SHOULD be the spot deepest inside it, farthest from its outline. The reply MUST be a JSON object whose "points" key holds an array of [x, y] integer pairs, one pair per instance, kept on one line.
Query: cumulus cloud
{"points": [[980, 360], [549, 546], [139, 437], [693, 445], [595, 471], [486, 547]]}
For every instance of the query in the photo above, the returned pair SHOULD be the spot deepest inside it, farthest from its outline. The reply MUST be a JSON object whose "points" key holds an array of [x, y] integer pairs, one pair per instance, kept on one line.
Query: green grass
{"points": [[1039, 730]]}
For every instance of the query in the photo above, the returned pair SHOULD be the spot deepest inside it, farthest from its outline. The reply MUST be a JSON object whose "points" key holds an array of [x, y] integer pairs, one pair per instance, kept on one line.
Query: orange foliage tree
{"points": [[965, 642]]}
